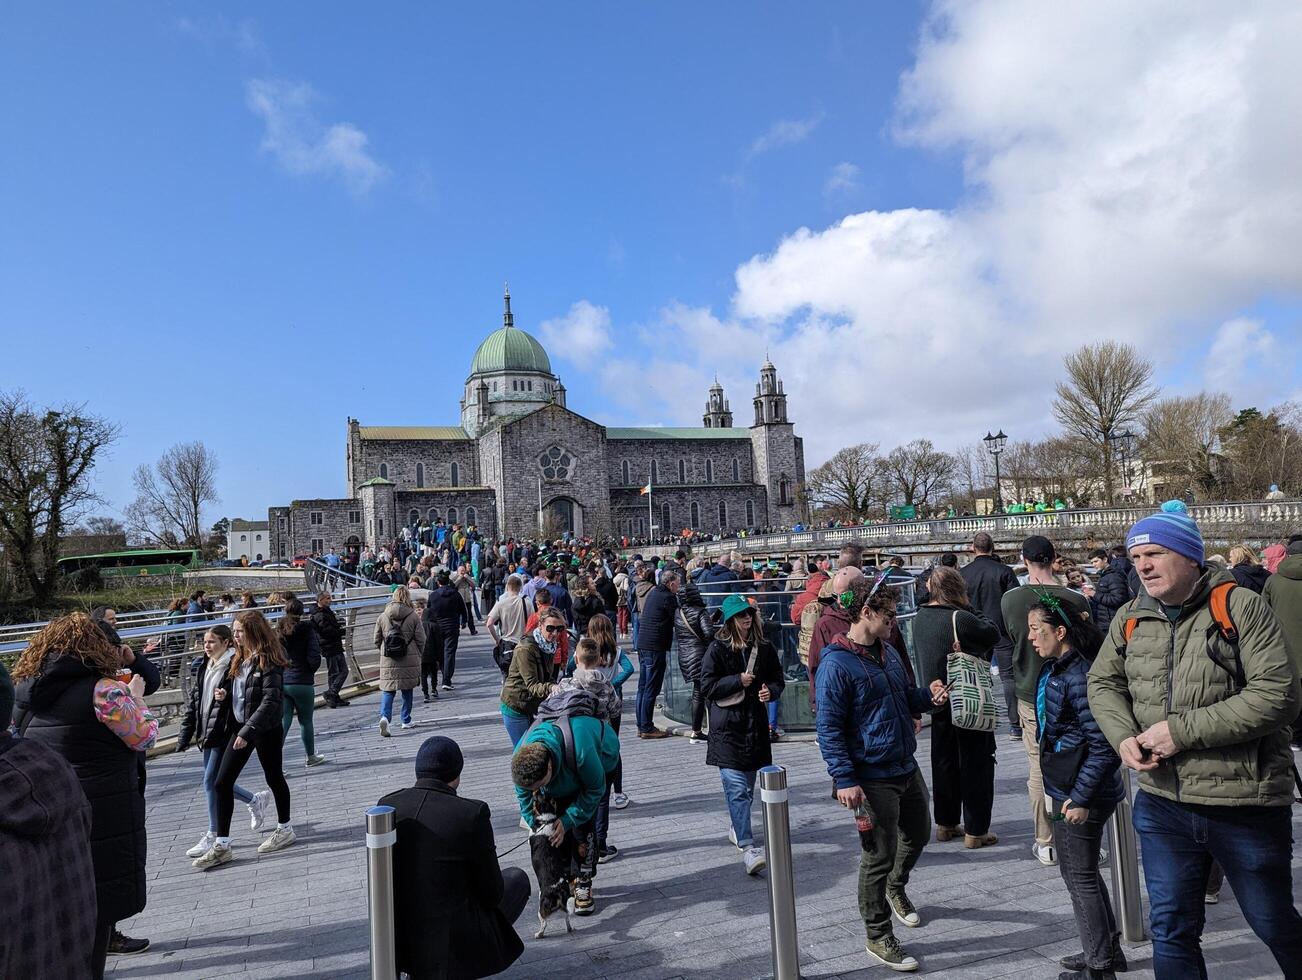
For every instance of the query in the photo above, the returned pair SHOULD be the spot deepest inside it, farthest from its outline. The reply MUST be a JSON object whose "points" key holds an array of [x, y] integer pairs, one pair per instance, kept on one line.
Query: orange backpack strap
{"points": [[1131, 623], [1219, 603]]}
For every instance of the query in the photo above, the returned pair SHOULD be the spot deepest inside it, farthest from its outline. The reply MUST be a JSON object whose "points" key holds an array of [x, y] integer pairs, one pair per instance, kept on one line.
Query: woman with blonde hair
{"points": [[74, 696], [254, 685], [1246, 570], [400, 638]]}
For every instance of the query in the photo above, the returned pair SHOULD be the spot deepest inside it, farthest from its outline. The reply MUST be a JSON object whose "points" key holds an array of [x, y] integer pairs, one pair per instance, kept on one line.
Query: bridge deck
{"points": [[676, 902]]}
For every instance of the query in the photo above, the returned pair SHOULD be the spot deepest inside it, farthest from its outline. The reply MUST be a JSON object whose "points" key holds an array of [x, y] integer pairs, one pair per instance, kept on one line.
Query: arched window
{"points": [[433, 515], [723, 515], [709, 471], [470, 515], [736, 471], [384, 471], [531, 386], [420, 474], [456, 476], [556, 463], [655, 473], [696, 514], [413, 516], [750, 513], [784, 491], [682, 471], [624, 472], [452, 515], [666, 518]]}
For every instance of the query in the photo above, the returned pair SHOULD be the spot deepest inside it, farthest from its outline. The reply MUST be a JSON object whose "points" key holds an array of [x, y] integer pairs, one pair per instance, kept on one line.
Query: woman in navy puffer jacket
{"points": [[1082, 784]]}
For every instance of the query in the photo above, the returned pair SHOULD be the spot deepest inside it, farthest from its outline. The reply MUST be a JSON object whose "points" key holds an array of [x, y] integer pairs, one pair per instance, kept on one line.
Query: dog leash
{"points": [[517, 846]]}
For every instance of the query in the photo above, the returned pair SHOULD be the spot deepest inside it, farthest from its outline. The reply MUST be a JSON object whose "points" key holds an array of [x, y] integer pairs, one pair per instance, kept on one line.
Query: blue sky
{"points": [[243, 226]]}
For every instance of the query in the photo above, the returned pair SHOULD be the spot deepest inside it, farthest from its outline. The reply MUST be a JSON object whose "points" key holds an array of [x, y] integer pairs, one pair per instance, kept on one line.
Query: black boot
{"points": [[1077, 961], [1088, 974]]}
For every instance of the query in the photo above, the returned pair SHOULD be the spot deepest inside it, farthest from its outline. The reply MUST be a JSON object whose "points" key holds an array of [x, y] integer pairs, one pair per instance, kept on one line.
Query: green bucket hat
{"points": [[733, 605]]}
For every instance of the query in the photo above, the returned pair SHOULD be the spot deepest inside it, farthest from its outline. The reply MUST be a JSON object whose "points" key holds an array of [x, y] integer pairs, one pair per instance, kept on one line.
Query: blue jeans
{"points": [[515, 727], [773, 713], [650, 679], [1254, 844], [739, 791], [212, 760], [386, 705]]}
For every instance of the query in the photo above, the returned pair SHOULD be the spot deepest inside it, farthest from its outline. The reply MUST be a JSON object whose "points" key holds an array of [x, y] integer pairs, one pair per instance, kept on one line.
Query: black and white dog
{"points": [[552, 866]]}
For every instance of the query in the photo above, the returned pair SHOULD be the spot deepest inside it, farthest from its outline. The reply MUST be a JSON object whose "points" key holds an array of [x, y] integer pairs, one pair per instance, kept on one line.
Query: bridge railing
{"points": [[1285, 513]]}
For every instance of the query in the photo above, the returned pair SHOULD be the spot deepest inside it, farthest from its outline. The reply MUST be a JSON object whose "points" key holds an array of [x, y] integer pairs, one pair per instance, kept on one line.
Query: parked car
{"points": [[300, 560]]}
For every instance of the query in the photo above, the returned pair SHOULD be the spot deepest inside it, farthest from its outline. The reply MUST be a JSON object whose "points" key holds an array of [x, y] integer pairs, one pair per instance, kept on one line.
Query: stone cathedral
{"points": [[520, 461]]}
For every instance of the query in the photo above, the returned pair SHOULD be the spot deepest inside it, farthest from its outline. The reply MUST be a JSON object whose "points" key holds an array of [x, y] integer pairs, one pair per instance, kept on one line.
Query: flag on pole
{"points": [[645, 490]]}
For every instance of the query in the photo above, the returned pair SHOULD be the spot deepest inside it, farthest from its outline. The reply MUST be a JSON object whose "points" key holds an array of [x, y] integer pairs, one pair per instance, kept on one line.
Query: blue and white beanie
{"points": [[1171, 528]]}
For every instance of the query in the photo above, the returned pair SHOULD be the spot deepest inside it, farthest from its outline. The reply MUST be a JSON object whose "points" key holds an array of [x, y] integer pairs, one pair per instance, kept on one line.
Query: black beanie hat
{"points": [[439, 758]]}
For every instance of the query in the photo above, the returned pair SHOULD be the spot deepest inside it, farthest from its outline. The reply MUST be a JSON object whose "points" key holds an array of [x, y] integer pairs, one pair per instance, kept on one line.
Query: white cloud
{"points": [[1245, 360], [1130, 173], [305, 147], [785, 132], [579, 334], [841, 180]]}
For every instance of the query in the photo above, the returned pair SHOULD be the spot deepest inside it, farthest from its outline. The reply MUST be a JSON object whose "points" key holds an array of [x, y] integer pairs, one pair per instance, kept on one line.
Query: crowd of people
{"points": [[1157, 658]]}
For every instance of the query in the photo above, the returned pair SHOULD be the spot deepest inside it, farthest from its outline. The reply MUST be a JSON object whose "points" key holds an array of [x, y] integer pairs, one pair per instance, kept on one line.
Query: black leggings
{"points": [[698, 707], [429, 677], [269, 746]]}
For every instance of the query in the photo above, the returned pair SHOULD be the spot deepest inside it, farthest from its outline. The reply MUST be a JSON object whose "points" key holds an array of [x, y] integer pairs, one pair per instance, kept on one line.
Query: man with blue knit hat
{"points": [[1195, 689]]}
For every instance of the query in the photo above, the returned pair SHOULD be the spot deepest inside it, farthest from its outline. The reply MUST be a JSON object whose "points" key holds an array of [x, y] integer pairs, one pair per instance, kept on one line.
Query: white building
{"points": [[248, 539]]}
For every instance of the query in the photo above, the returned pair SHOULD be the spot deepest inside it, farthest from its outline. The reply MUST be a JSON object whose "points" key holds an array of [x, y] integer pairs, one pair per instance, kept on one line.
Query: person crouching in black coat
{"points": [[455, 904], [693, 630]]}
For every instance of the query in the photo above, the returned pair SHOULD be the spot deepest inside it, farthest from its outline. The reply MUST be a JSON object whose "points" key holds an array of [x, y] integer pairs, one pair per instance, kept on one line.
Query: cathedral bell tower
{"points": [[770, 399], [718, 414]]}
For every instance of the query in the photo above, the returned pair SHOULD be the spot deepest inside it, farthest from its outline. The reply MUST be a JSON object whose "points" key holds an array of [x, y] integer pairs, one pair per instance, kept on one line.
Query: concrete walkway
{"points": [[675, 903]]}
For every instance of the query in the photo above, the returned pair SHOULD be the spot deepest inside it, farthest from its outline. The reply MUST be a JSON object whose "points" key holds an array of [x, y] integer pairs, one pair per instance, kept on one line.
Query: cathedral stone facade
{"points": [[521, 463]]}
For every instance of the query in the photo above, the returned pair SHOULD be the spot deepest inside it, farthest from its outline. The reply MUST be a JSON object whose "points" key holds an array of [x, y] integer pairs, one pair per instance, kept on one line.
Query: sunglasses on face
{"points": [[553, 629]]}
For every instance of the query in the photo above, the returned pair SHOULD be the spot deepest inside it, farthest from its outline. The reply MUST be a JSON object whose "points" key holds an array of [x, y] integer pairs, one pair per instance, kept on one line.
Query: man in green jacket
{"points": [[1209, 738], [1283, 593], [574, 780]]}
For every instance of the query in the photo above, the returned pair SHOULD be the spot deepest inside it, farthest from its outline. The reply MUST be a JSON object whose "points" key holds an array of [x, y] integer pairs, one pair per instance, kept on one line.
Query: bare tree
{"points": [[845, 485], [973, 477], [1108, 387], [1182, 436], [1066, 470], [46, 458], [919, 471], [170, 497]]}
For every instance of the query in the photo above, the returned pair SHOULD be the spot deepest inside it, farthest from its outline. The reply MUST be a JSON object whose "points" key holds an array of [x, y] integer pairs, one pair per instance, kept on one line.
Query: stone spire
{"points": [[507, 319]]}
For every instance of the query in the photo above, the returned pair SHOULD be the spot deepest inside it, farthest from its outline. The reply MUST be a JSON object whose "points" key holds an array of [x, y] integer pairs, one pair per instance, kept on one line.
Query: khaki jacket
{"points": [[1234, 744]]}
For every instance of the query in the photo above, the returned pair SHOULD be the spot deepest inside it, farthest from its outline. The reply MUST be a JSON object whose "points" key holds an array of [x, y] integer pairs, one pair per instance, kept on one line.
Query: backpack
{"points": [[1228, 633], [395, 644], [562, 723]]}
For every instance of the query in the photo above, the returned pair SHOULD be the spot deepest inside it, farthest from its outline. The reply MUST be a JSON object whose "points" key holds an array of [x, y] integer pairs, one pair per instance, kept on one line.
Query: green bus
{"points": [[130, 564]]}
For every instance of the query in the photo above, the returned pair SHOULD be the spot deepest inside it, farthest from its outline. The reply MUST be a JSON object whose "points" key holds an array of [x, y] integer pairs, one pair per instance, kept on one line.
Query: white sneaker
{"points": [[619, 800], [279, 839], [213, 857], [408, 724], [1045, 854], [201, 848], [384, 727], [754, 860], [316, 760], [258, 810]]}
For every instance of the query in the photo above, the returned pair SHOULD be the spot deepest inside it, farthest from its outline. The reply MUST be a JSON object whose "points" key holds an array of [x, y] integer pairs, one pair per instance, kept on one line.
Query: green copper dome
{"points": [[510, 349]]}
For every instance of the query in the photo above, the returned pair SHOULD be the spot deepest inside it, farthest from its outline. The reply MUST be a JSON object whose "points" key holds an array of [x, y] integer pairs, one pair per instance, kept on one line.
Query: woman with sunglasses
{"points": [[865, 732], [529, 678], [1082, 778]]}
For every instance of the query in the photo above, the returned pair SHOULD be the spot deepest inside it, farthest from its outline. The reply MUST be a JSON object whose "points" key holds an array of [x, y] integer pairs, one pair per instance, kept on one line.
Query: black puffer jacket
{"points": [[1250, 576], [264, 693], [303, 650], [1111, 592], [207, 728], [739, 735], [57, 708], [1068, 722], [585, 607], [693, 630], [329, 632]]}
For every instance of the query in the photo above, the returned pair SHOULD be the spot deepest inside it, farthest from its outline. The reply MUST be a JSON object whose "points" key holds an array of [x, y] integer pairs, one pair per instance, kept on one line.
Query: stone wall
{"points": [[482, 500], [629, 505], [524, 440], [292, 527], [435, 456], [775, 457], [668, 453]]}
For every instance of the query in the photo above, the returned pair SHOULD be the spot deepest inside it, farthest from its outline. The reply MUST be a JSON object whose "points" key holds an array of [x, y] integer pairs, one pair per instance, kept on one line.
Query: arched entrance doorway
{"points": [[562, 514]]}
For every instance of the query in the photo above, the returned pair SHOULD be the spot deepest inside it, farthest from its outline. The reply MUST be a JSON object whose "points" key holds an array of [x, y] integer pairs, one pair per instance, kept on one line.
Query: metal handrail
{"points": [[1229, 512]]}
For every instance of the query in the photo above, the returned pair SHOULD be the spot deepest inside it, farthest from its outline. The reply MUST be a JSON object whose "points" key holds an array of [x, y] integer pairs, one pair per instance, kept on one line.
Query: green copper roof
{"points": [[510, 349], [666, 432], [377, 481]]}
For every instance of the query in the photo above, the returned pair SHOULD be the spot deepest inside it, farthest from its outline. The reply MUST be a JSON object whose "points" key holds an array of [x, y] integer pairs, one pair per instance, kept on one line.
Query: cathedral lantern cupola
{"points": [[770, 399], [718, 414]]}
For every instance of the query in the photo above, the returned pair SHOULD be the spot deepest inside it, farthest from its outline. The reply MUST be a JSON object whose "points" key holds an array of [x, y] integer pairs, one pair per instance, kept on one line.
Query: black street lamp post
{"points": [[995, 445], [1125, 442]]}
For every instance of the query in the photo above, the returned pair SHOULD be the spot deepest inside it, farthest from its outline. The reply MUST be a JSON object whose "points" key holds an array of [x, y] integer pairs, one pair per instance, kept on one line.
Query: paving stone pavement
{"points": [[675, 903]]}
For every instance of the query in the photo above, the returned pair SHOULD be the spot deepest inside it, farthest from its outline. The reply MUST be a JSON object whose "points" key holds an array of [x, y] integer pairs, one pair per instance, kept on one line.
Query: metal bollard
{"points": [[782, 884], [1125, 869], [380, 838]]}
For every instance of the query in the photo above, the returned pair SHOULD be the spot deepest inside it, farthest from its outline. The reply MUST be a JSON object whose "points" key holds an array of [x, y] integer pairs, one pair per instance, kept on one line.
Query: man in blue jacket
{"points": [[865, 732], [574, 777]]}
